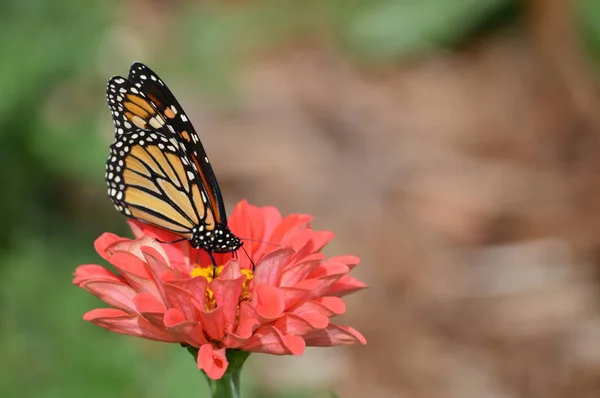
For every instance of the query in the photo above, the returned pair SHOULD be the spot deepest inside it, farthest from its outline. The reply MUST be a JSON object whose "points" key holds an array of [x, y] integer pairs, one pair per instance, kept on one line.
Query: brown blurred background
{"points": [[452, 145]]}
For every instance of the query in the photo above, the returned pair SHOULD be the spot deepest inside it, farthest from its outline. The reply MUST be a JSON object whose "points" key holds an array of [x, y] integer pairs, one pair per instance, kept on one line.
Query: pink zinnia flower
{"points": [[166, 292]]}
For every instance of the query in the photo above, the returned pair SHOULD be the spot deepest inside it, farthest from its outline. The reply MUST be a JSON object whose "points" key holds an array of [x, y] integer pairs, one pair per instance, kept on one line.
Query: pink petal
{"points": [[303, 291], [180, 294], [269, 340], [248, 320], [269, 301], [213, 321], [88, 272], [117, 295], [213, 362], [334, 335], [293, 324], [269, 269], [179, 254], [345, 285], [231, 270], [159, 271], [334, 305], [145, 302], [326, 308], [227, 293], [348, 259], [330, 268], [183, 330], [121, 322], [300, 271], [320, 239], [134, 272], [289, 224], [103, 242]]}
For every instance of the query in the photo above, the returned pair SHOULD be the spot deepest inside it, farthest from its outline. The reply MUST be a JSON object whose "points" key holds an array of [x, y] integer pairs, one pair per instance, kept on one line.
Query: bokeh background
{"points": [[452, 144]]}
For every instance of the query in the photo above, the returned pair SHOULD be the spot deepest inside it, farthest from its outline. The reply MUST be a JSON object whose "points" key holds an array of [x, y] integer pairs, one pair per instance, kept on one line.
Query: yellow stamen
{"points": [[207, 273]]}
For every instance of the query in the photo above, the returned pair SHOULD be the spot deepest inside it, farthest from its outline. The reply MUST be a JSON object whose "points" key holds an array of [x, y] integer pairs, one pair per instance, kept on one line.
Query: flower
{"points": [[278, 299]]}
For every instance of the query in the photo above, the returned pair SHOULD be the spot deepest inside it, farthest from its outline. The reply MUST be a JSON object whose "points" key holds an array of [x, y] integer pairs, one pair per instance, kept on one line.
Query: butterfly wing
{"points": [[153, 181], [131, 109], [143, 101], [160, 95]]}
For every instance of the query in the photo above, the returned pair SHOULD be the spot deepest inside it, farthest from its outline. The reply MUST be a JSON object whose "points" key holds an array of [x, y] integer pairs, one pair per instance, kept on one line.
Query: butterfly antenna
{"points": [[247, 255], [260, 241]]}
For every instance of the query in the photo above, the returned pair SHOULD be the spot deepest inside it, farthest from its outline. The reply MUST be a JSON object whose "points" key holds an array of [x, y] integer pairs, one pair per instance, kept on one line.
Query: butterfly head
{"points": [[218, 240]]}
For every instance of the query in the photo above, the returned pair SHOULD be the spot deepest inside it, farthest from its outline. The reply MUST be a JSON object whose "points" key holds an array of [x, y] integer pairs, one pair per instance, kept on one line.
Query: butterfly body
{"points": [[158, 171]]}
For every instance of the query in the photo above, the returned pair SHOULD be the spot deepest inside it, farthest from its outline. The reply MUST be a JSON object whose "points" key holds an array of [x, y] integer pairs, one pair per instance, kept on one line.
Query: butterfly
{"points": [[157, 170]]}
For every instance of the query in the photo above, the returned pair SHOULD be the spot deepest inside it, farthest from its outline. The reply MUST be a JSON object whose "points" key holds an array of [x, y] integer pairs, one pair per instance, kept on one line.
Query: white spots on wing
{"points": [[120, 81], [143, 77], [184, 118], [206, 159], [190, 175], [153, 77], [156, 122], [127, 124]]}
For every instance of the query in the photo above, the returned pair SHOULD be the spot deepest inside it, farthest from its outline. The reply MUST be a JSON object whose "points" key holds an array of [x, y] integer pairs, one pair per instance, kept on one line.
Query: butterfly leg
{"points": [[214, 264]]}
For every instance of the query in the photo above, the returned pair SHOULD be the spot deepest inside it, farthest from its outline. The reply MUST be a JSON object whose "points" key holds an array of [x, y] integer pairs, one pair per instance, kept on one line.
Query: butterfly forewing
{"points": [[176, 120], [131, 109]]}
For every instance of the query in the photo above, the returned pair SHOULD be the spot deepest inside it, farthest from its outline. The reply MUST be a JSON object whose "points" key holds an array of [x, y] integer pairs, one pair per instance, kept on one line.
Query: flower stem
{"points": [[227, 386]]}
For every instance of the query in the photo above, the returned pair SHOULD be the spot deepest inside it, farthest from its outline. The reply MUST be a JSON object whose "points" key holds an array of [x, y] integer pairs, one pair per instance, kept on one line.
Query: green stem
{"points": [[227, 386]]}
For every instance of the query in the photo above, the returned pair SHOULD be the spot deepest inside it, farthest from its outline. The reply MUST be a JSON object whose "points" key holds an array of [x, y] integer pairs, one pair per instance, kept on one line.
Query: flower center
{"points": [[207, 273]]}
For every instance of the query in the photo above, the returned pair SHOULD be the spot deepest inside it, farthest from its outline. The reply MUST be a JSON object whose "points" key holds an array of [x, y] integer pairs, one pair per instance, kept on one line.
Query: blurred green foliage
{"points": [[54, 133]]}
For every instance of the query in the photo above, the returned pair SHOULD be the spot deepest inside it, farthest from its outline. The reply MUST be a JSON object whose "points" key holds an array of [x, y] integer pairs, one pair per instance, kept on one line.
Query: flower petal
{"points": [[269, 340], [227, 294], [213, 362], [180, 294], [269, 269], [269, 301], [334, 335], [116, 294], [104, 242], [183, 330], [298, 272], [348, 259], [89, 272], [345, 285], [134, 272], [121, 322]]}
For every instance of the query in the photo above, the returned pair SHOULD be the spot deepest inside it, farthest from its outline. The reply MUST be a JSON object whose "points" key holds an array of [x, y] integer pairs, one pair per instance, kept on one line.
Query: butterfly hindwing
{"points": [[153, 180]]}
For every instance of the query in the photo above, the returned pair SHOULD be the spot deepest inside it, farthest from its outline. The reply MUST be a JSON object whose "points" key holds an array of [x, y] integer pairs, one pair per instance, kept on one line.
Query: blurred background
{"points": [[451, 144]]}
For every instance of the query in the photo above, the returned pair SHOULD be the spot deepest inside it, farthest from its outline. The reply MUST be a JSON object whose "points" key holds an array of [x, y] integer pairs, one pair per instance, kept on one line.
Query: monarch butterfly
{"points": [[157, 171]]}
